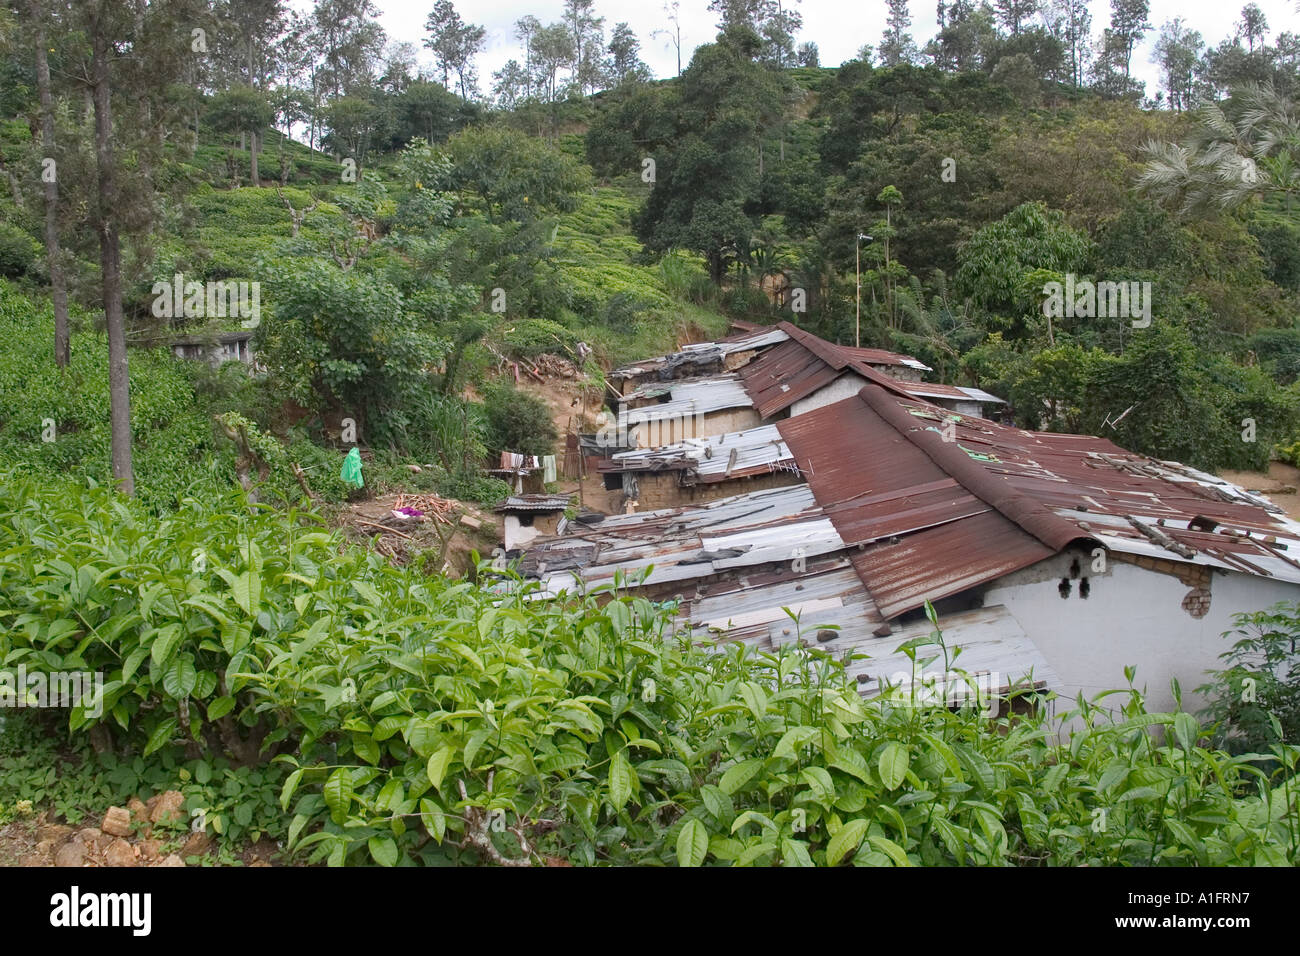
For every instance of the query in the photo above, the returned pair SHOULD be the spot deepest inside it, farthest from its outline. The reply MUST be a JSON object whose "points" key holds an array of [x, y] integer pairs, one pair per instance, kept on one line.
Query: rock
{"points": [[92, 838], [119, 853], [150, 850], [137, 808], [172, 860], [471, 522], [47, 847], [34, 859], [72, 853], [117, 822], [414, 469], [259, 863], [196, 845], [168, 808], [54, 832]]}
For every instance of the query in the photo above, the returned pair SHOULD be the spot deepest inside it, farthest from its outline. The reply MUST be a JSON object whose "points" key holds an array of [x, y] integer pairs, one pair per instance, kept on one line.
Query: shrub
{"points": [[518, 421], [532, 337], [1263, 660]]}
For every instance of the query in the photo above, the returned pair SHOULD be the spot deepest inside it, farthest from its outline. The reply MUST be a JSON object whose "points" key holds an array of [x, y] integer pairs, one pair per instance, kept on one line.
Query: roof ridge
{"points": [[834, 356], [1021, 509]]}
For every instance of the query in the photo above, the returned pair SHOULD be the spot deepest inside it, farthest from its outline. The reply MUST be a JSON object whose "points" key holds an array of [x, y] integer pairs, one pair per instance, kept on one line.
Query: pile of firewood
{"points": [[439, 509]]}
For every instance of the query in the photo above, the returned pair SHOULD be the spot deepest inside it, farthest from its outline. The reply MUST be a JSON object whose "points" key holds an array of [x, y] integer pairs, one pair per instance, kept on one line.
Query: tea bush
{"points": [[425, 720]]}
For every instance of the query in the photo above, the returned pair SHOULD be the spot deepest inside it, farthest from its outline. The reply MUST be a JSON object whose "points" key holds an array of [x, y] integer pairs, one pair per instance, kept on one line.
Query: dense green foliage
{"points": [[418, 720], [518, 422], [1255, 699]]}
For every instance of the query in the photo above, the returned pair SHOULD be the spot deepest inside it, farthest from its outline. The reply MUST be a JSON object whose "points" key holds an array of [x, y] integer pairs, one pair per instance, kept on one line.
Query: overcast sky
{"points": [[838, 28]]}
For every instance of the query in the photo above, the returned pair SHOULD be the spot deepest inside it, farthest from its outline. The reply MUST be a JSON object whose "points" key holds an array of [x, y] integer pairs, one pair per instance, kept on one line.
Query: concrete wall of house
{"points": [[846, 386], [671, 431], [1140, 616], [517, 534]]}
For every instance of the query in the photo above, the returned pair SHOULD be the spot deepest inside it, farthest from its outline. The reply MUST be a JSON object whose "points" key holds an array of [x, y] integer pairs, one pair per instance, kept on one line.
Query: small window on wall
{"points": [[526, 519], [613, 481]]}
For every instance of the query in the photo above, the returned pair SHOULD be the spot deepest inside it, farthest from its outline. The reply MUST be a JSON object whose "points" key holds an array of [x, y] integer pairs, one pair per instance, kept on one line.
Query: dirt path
{"points": [[1279, 484]]}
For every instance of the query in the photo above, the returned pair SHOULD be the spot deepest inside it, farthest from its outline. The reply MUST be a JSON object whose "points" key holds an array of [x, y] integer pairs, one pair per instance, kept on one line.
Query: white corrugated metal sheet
{"points": [[689, 397], [712, 457], [986, 640]]}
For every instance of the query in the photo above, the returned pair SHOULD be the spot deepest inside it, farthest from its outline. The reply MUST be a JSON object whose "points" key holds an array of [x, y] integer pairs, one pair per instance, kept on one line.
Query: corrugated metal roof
{"points": [[956, 393], [991, 641], [785, 374], [806, 364], [700, 356], [687, 398], [715, 458], [934, 517], [535, 503], [689, 544], [884, 357], [979, 395]]}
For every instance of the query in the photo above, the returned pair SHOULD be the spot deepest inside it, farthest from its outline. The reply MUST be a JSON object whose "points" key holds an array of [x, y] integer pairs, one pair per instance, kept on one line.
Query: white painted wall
{"points": [[517, 534], [1132, 616], [846, 386]]}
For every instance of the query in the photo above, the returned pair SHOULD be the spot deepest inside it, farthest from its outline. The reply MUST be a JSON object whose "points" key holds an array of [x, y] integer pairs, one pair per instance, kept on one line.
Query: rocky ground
{"points": [[142, 833]]}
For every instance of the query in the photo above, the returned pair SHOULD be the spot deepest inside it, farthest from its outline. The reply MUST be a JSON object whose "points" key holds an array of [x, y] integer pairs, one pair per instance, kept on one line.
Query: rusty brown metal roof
{"points": [[884, 357], [937, 503], [801, 366], [785, 374]]}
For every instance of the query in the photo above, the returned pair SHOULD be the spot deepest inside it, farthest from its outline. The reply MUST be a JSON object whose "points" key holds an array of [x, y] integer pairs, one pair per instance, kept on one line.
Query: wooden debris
{"points": [[438, 509]]}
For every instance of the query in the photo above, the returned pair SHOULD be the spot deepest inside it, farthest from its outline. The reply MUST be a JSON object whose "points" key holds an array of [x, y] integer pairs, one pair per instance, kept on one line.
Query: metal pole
{"points": [[857, 294]]}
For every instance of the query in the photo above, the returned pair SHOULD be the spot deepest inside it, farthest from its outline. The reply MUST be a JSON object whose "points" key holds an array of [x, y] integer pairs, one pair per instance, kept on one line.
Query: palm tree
{"points": [[1245, 149], [943, 324]]}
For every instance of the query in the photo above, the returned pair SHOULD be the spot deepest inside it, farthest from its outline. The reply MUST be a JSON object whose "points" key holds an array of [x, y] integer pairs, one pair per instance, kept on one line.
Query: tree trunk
{"points": [[110, 264], [58, 286], [254, 143]]}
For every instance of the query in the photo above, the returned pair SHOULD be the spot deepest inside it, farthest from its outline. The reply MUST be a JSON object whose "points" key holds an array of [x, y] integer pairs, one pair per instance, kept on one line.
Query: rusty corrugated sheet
{"points": [[783, 375], [945, 560], [940, 503]]}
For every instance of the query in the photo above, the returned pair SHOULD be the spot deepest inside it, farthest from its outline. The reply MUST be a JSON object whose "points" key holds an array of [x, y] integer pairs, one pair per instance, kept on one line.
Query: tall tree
{"points": [[246, 111], [1071, 23], [625, 62], [673, 16], [1128, 24], [53, 251], [130, 63], [896, 45], [778, 30], [454, 44], [1253, 25], [1014, 14], [257, 27], [552, 52], [1112, 74], [525, 30], [1177, 51], [351, 42], [588, 34]]}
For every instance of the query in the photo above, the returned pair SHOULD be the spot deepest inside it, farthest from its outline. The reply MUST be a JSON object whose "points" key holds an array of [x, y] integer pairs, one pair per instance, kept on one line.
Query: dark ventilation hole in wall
{"points": [[1064, 587], [1084, 588]]}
